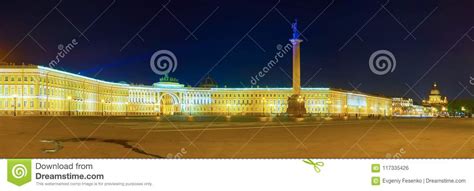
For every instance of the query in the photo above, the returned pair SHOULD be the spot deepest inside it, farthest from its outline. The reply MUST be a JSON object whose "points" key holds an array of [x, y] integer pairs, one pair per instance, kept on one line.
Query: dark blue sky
{"points": [[440, 41]]}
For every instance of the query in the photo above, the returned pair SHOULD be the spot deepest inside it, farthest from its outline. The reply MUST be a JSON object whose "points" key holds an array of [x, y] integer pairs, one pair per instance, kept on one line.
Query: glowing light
{"points": [[300, 99]]}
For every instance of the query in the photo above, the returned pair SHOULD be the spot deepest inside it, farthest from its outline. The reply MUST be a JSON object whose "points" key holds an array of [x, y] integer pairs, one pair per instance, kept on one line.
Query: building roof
{"points": [[208, 82]]}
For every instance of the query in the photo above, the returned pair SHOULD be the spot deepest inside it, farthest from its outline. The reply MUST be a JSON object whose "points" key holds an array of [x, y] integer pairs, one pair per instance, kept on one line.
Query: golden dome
{"points": [[435, 90]]}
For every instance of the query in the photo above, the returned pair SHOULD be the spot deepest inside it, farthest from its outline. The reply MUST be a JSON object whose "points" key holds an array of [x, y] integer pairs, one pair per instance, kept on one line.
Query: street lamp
{"points": [[190, 109], [329, 107], [103, 102], [126, 108], [345, 108], [358, 110], [159, 107], [263, 106], [228, 112], [69, 98], [14, 104], [300, 99]]}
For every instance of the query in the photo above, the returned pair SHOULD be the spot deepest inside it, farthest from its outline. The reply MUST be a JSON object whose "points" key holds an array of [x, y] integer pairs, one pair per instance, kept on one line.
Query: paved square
{"points": [[97, 137]]}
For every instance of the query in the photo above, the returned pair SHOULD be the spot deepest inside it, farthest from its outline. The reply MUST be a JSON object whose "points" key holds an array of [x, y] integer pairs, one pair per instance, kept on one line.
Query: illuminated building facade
{"points": [[31, 90], [401, 106], [405, 108]]}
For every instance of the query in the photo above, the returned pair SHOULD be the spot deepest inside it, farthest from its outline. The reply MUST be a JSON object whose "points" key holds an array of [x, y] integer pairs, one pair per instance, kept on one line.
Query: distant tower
{"points": [[296, 103]]}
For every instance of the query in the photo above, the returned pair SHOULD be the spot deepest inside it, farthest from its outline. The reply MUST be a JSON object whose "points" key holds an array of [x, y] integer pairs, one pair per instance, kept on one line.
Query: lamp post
{"points": [[159, 108], [263, 106], [300, 100], [358, 111], [228, 112], [14, 104], [103, 102], [329, 107], [345, 108], [126, 109], [190, 108], [69, 98]]}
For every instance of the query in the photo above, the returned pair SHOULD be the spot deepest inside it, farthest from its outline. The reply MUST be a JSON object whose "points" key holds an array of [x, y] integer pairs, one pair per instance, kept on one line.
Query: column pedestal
{"points": [[296, 106]]}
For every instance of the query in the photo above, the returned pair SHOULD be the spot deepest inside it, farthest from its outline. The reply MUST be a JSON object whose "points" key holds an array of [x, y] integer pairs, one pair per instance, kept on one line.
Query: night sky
{"points": [[234, 40]]}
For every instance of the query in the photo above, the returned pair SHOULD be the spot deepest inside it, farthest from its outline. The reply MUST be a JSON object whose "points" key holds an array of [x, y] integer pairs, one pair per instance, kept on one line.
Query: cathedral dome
{"points": [[435, 90]]}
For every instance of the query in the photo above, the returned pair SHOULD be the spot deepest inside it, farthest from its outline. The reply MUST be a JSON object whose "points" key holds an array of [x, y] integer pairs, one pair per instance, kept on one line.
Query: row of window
{"points": [[24, 104], [18, 79], [67, 83], [8, 90], [136, 96]]}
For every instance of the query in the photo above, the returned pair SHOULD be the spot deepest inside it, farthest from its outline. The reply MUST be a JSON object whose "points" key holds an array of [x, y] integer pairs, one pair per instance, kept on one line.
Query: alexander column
{"points": [[296, 103]]}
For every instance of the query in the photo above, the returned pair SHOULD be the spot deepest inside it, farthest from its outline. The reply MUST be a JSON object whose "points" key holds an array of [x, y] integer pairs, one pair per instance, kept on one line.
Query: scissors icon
{"points": [[315, 165]]}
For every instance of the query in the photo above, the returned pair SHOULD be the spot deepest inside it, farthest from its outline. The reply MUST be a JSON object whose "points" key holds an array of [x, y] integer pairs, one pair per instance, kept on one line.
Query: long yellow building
{"points": [[31, 90]]}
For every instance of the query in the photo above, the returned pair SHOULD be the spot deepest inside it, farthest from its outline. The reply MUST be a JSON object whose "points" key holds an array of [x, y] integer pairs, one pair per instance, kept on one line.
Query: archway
{"points": [[169, 104]]}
